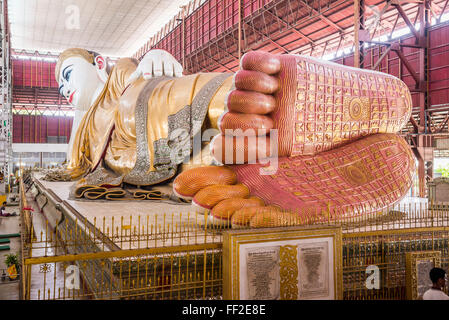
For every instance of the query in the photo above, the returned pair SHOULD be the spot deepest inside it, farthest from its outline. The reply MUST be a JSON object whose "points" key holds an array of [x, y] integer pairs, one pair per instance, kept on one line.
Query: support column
{"points": [[424, 143], [183, 35], [240, 26], [422, 135], [359, 32], [5, 94]]}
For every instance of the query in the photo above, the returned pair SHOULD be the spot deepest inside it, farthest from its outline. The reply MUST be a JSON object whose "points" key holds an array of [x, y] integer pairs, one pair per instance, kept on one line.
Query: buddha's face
{"points": [[80, 82]]}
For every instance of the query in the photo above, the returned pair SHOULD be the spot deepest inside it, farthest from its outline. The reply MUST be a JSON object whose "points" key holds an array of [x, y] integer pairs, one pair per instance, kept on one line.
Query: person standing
{"points": [[437, 275]]}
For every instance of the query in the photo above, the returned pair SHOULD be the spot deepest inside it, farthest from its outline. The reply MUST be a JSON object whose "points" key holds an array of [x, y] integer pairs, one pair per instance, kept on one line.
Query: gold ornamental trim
{"points": [[356, 109], [356, 173], [288, 272], [412, 275], [232, 240]]}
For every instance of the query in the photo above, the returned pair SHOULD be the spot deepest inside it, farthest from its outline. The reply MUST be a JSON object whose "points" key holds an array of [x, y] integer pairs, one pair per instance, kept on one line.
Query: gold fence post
{"points": [[28, 292]]}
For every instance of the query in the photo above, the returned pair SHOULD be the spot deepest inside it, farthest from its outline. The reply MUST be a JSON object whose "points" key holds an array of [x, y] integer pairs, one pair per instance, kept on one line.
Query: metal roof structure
{"points": [[406, 38], [111, 27]]}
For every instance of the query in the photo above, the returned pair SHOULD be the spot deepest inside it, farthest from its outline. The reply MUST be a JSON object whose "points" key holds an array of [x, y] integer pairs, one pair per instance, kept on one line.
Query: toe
{"points": [[207, 198], [232, 123], [189, 182], [241, 149], [256, 81], [250, 102], [222, 212], [269, 219], [242, 217], [261, 61]]}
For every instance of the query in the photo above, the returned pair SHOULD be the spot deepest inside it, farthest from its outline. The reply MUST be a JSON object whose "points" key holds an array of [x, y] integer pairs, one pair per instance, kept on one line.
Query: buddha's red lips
{"points": [[71, 96]]}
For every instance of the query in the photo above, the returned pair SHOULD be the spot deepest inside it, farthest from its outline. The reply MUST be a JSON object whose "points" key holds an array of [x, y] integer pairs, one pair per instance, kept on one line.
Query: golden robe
{"points": [[132, 130]]}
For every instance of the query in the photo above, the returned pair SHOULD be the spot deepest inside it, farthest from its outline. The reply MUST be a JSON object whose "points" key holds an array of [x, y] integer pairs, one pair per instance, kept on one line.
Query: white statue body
{"points": [[262, 95], [81, 82]]}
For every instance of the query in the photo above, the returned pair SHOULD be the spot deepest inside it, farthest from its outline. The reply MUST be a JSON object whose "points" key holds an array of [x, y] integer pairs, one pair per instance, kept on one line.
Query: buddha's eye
{"points": [[67, 75], [67, 72]]}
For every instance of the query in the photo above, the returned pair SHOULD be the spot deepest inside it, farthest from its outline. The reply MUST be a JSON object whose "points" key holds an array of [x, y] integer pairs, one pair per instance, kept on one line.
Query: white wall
{"points": [[42, 155], [39, 147]]}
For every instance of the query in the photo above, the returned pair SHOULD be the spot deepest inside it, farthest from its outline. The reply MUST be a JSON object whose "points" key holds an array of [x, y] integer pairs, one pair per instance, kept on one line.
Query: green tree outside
{"points": [[444, 171]]}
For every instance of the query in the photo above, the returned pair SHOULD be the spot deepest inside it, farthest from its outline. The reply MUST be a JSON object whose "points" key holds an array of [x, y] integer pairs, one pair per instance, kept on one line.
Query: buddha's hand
{"points": [[157, 63]]}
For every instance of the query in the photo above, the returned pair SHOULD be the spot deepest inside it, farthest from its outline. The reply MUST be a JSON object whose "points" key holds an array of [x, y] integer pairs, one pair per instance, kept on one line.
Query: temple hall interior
{"points": [[224, 150]]}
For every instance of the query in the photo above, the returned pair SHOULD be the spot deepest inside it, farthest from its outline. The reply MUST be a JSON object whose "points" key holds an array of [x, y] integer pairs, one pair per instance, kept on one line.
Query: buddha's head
{"points": [[81, 75]]}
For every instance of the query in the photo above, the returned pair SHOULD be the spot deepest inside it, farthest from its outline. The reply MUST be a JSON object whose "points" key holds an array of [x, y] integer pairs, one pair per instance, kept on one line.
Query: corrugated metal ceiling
{"points": [[112, 27]]}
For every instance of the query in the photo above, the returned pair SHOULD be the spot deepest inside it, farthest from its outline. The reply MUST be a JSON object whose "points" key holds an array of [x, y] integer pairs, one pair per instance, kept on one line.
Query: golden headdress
{"points": [[73, 52]]}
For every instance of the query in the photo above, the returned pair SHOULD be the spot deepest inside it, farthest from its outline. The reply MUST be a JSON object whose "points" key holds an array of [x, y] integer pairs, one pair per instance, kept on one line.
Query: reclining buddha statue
{"points": [[292, 134]]}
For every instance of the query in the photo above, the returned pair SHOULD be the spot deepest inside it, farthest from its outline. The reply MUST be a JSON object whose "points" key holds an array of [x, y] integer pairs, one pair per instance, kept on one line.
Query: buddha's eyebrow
{"points": [[63, 71]]}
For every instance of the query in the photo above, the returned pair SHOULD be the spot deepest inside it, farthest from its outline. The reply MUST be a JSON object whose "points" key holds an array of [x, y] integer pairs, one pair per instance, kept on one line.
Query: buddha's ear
{"points": [[101, 66], [100, 62]]}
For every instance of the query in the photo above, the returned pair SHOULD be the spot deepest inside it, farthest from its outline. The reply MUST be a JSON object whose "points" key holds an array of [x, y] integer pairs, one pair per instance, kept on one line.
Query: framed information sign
{"points": [[418, 265], [295, 263]]}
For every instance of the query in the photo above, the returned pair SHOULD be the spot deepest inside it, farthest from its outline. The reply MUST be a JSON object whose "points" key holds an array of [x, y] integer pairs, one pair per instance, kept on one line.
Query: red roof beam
{"points": [[302, 35], [321, 16]]}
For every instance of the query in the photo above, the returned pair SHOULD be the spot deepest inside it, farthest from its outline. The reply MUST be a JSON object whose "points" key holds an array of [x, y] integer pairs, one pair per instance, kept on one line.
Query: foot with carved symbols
{"points": [[302, 135]]}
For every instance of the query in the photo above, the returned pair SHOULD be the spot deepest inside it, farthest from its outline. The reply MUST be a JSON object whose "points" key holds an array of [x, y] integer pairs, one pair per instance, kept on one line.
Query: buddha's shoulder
{"points": [[126, 63]]}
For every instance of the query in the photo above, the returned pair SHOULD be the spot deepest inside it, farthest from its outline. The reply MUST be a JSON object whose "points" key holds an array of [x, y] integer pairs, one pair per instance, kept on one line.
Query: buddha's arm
{"points": [[179, 103], [143, 130]]}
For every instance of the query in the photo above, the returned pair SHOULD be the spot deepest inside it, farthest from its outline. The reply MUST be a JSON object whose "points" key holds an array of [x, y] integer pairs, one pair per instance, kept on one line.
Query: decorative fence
{"points": [[179, 256]]}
